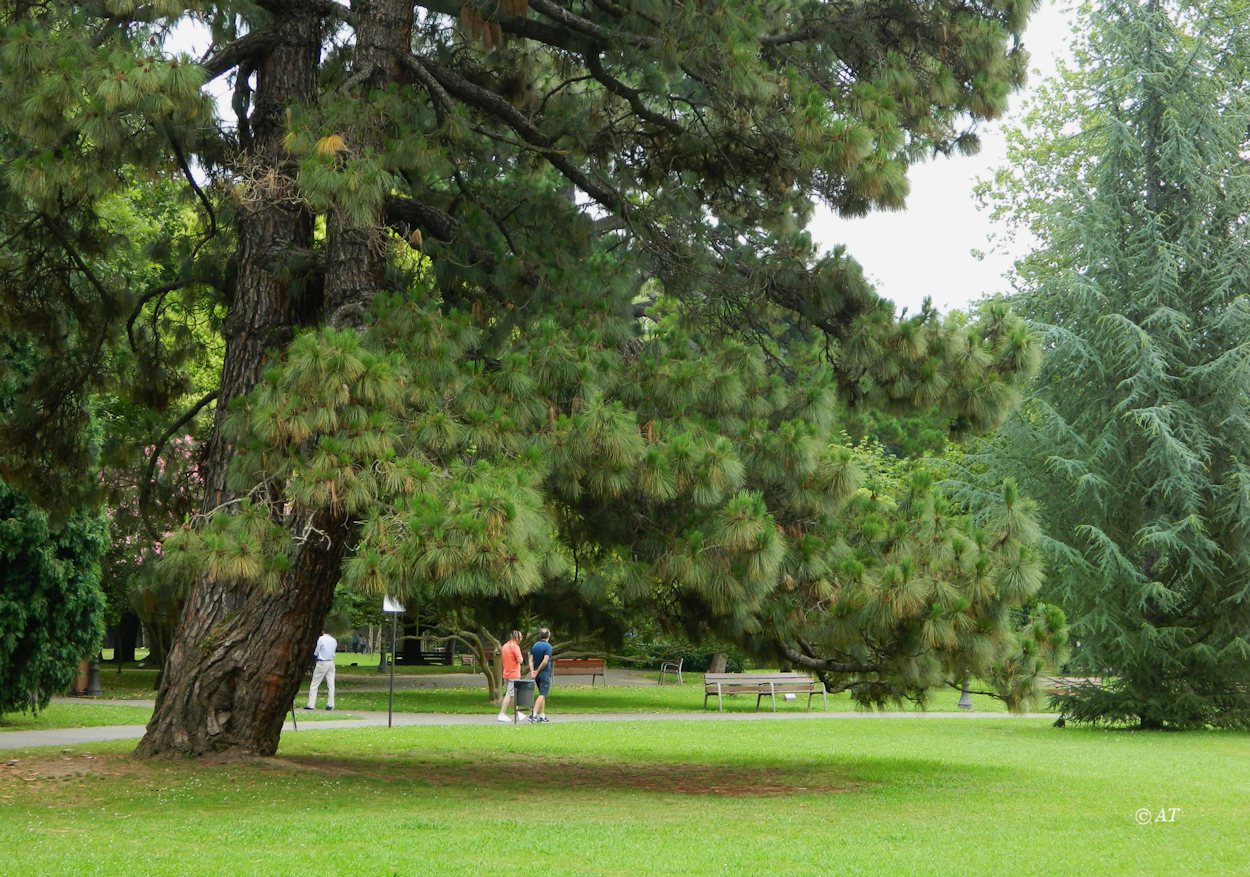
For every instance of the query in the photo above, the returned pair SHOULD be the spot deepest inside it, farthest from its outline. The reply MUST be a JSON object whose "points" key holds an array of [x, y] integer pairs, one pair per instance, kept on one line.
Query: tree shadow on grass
{"points": [[510, 775], [525, 774]]}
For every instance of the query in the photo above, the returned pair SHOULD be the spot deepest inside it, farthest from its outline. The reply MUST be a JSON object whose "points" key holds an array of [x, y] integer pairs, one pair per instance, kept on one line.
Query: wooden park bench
{"points": [[591, 667], [468, 659], [761, 685]]}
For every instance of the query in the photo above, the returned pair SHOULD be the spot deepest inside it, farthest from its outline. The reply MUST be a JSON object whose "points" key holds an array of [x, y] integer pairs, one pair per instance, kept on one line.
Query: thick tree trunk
{"points": [[159, 631], [494, 684], [717, 664], [231, 678], [125, 636], [237, 659], [355, 255], [410, 646], [240, 652]]}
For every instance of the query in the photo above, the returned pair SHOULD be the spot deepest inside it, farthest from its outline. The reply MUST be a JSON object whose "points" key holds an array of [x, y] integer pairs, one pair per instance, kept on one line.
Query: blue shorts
{"points": [[544, 683]]}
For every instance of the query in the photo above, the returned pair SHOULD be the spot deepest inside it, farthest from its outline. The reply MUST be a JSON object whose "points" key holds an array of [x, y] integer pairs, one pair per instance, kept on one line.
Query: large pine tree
{"points": [[1135, 439], [497, 181]]}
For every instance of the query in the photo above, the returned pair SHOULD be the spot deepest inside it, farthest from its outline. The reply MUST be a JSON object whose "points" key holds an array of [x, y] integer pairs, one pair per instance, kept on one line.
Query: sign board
{"points": [[392, 605]]}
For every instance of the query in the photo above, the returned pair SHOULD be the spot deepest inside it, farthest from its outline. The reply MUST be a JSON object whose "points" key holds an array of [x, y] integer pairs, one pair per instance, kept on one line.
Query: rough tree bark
{"points": [[236, 661], [355, 255], [232, 676]]}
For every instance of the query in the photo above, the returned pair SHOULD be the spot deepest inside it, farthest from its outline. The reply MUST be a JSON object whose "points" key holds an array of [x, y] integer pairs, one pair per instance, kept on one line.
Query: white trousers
{"points": [[324, 670]]}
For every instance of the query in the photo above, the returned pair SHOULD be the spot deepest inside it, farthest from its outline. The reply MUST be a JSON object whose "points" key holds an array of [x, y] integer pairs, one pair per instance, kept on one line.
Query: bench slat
{"points": [[591, 667]]}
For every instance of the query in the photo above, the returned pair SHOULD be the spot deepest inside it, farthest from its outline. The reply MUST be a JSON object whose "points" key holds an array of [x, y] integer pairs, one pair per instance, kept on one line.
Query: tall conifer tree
{"points": [[1135, 439]]}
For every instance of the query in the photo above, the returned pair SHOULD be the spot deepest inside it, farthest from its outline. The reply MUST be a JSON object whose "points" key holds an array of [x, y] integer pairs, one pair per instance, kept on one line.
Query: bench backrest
{"points": [[757, 678], [579, 663]]}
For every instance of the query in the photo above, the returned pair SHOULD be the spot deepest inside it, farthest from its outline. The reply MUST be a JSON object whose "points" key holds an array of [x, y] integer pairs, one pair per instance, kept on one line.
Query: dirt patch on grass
{"points": [[507, 776], [522, 775], [62, 766]]}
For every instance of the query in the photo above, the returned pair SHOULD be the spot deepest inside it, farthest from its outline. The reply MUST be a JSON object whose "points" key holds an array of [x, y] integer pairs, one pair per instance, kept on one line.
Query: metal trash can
{"points": [[524, 689]]}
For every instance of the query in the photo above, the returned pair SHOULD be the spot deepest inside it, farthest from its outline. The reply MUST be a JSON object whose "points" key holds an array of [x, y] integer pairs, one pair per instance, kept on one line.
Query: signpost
{"points": [[396, 609]]}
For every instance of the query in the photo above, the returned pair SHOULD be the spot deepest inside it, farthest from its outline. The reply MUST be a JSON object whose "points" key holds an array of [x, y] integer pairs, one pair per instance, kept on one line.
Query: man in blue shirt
{"points": [[541, 668]]}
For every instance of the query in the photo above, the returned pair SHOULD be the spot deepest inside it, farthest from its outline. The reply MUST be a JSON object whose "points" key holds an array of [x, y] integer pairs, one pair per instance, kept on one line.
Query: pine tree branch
{"points": [[832, 687], [244, 49], [809, 662], [531, 137], [149, 476], [588, 28], [185, 166], [619, 12], [442, 106], [442, 100], [796, 36], [143, 300], [413, 213], [595, 65], [959, 686], [105, 293], [639, 309], [259, 42], [325, 8], [521, 26], [241, 101]]}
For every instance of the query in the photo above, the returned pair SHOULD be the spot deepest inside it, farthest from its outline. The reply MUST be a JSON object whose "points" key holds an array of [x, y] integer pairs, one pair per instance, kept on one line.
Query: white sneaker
{"points": [[503, 718]]}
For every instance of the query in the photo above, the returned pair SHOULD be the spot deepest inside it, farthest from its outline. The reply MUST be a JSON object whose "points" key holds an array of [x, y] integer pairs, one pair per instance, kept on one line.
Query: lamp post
{"points": [[395, 609]]}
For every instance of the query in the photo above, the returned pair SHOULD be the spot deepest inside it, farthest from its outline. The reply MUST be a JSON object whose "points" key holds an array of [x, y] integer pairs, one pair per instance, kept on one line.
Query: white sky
{"points": [[926, 250]]}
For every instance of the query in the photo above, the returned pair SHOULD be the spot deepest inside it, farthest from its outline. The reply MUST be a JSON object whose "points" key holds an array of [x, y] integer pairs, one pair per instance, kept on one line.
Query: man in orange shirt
{"points": [[511, 673]]}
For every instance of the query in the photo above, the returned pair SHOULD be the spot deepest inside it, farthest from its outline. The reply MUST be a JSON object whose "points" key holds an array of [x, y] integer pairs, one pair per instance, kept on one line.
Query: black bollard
{"points": [[94, 688]]}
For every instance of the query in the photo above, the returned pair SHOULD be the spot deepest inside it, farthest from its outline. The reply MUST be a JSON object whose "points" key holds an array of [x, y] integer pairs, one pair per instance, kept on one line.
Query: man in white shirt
{"points": [[324, 653]]}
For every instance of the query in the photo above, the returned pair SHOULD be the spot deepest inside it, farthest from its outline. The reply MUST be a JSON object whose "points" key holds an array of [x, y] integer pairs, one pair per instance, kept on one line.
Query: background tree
{"points": [[51, 606], [146, 499], [549, 160], [900, 435], [149, 455], [1135, 436]]}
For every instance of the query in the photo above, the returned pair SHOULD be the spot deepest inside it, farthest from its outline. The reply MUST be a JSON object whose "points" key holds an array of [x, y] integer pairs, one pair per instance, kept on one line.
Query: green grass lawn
{"points": [[75, 715], [106, 655], [851, 797], [131, 683]]}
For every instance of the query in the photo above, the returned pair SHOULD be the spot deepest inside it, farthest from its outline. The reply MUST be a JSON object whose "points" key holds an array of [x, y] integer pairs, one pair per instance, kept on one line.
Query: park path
{"points": [[364, 719]]}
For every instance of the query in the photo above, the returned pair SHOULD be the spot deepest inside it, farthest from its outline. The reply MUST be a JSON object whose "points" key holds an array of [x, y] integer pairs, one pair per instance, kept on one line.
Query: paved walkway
{"points": [[74, 736], [358, 679]]}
